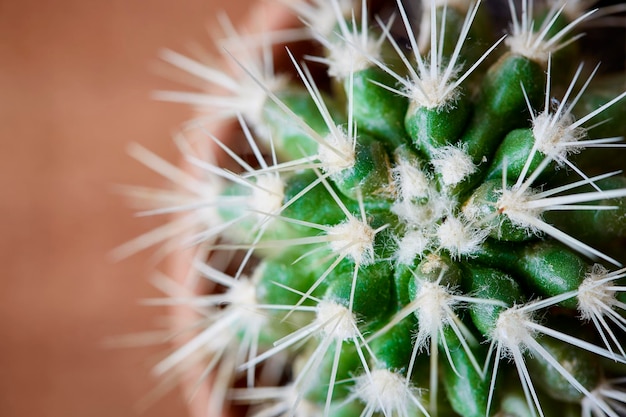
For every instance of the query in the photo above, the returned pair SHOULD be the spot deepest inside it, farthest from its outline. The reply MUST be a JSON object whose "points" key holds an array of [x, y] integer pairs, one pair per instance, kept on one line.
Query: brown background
{"points": [[75, 83]]}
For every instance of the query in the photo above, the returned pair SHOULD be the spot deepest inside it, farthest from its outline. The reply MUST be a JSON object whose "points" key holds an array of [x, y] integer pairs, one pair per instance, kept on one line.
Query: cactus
{"points": [[431, 226]]}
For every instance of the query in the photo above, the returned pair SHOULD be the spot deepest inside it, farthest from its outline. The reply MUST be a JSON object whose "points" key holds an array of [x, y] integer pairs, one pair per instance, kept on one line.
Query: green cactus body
{"points": [[466, 389], [501, 106], [512, 155], [378, 111], [435, 128], [416, 224]]}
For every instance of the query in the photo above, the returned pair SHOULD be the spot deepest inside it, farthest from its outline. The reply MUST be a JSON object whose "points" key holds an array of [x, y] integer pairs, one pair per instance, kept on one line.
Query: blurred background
{"points": [[75, 84]]}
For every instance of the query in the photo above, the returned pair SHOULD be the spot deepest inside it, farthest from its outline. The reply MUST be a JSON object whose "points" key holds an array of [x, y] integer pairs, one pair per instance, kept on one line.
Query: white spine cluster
{"points": [[434, 84], [460, 237], [354, 239], [453, 164], [383, 391], [536, 43]]}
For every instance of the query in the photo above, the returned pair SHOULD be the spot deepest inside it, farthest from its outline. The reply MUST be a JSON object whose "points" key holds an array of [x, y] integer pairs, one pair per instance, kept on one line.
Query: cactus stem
{"points": [[381, 241]]}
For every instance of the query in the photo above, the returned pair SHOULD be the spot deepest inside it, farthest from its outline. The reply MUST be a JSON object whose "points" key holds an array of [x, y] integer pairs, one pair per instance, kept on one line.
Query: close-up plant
{"points": [[401, 209]]}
